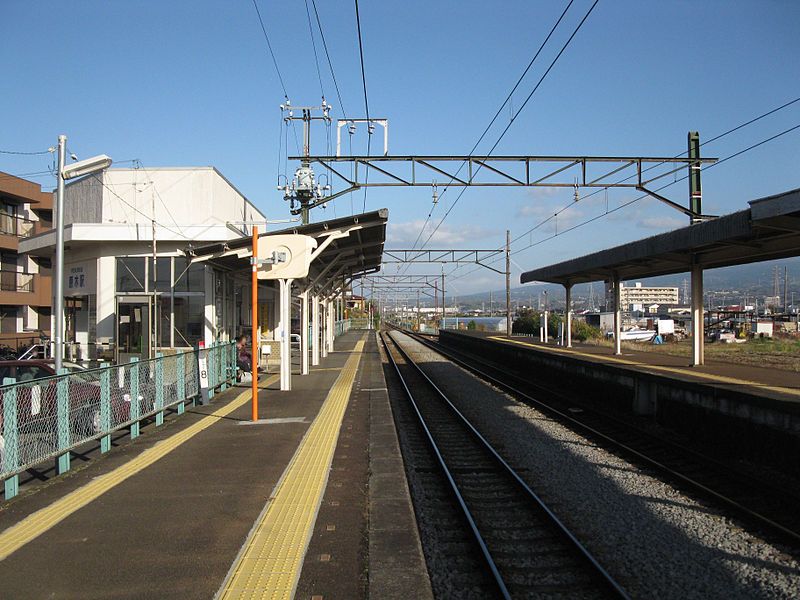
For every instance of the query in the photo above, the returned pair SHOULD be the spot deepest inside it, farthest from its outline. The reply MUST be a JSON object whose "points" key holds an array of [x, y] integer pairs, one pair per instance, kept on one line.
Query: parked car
{"points": [[36, 404]]}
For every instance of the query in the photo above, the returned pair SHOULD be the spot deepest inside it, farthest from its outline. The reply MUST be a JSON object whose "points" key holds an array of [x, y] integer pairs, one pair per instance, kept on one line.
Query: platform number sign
{"points": [[202, 369]]}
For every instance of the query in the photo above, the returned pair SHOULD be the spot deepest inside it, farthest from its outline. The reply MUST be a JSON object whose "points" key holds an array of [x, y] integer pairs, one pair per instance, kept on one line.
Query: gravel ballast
{"points": [[655, 540]]}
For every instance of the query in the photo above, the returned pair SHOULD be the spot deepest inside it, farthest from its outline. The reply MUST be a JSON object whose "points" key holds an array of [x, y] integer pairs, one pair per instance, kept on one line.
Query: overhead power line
{"points": [[497, 114], [709, 141], [314, 47], [366, 100], [638, 198], [516, 114], [328, 56], [24, 153], [272, 54]]}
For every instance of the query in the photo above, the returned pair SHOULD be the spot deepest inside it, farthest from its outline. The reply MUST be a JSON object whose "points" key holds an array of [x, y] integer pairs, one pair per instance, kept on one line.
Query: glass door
{"points": [[134, 331]]}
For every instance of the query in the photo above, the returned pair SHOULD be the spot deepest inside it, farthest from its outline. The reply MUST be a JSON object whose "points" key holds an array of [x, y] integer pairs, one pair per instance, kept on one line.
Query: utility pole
{"points": [[418, 323], [695, 190], [508, 283], [785, 289], [304, 190], [444, 310]]}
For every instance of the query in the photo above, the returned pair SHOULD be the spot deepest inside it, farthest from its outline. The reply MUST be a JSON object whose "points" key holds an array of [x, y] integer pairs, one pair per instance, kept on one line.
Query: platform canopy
{"points": [[347, 248], [769, 229]]}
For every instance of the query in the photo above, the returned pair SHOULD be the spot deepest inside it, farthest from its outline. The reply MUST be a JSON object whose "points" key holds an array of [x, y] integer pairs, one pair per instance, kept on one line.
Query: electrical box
{"points": [[292, 253]]}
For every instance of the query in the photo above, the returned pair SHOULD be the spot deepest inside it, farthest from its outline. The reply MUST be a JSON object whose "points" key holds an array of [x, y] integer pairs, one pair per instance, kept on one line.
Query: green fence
{"points": [[46, 418]]}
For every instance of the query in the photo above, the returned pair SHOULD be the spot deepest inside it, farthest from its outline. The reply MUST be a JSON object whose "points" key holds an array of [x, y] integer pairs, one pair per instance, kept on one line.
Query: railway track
{"points": [[524, 547], [768, 507]]}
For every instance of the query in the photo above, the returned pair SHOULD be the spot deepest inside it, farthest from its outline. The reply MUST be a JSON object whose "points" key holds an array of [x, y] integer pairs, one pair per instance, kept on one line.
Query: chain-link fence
{"points": [[45, 418]]}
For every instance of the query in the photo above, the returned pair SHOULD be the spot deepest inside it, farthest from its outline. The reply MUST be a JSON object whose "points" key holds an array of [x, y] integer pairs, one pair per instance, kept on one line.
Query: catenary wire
{"points": [[516, 114], [269, 46], [497, 114], [638, 198], [328, 56], [366, 101], [624, 179], [314, 47]]}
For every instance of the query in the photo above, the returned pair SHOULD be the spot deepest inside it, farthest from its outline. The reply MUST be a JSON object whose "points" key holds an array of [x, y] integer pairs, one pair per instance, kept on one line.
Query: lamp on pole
{"points": [[78, 169]]}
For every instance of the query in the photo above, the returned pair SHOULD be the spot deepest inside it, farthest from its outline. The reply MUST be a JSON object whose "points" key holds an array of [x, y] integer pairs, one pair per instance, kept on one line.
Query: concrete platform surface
{"points": [[173, 527]]}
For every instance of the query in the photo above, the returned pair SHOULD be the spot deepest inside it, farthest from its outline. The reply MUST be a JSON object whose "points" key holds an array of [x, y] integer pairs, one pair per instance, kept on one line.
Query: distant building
{"points": [[25, 286], [638, 298]]}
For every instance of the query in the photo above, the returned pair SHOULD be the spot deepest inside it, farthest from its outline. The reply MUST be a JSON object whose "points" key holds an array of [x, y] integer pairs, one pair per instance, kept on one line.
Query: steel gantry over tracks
{"points": [[508, 171]]}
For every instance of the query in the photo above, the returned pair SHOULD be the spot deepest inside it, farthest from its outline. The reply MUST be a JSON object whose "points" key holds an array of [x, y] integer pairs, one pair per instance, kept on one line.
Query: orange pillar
{"points": [[254, 300]]}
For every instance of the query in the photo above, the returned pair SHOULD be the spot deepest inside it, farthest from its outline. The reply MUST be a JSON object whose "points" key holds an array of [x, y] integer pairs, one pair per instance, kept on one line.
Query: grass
{"points": [[777, 353]]}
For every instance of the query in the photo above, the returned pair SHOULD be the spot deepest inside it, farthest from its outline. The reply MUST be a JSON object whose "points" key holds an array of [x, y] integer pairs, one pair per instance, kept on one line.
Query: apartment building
{"points": [[643, 298], [25, 283]]}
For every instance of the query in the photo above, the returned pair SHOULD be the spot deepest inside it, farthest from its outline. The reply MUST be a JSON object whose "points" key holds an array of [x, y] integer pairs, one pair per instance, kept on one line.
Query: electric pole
{"points": [[304, 190], [508, 283]]}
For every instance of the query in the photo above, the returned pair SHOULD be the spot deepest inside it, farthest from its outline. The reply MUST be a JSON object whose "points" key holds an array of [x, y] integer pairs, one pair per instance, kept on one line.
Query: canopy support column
{"points": [[331, 313], [568, 313], [324, 322], [286, 330], [698, 330], [304, 333], [315, 332], [617, 315]]}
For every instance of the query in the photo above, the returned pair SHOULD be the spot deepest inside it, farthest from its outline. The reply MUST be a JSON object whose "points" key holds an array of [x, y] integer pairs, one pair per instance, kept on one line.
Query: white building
{"points": [[637, 297], [129, 288]]}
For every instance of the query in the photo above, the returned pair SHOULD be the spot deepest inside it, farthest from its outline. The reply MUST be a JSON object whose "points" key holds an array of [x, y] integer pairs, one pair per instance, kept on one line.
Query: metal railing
{"points": [[360, 323], [342, 327], [15, 281], [14, 225], [46, 418]]}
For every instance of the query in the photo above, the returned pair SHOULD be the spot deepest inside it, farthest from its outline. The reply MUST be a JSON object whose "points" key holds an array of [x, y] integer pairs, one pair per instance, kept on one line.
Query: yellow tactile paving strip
{"points": [[659, 368], [34, 525], [270, 561]]}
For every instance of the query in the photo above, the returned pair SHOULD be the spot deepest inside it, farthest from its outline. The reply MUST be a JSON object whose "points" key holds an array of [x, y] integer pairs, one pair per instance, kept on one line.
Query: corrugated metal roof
{"points": [[768, 230]]}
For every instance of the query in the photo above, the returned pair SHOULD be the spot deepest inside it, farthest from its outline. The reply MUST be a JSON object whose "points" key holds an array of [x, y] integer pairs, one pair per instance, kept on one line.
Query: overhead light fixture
{"points": [[86, 167]]}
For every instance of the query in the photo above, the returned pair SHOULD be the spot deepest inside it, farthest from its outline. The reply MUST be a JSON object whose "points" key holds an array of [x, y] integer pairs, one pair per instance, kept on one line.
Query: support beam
{"points": [[698, 329], [546, 329], [286, 330], [568, 313], [324, 323], [331, 312], [315, 330], [304, 333], [617, 315]]}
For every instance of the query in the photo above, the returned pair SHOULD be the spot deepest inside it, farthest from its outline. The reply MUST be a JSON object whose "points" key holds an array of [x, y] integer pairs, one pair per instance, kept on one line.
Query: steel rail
{"points": [[781, 530], [552, 518], [443, 465]]}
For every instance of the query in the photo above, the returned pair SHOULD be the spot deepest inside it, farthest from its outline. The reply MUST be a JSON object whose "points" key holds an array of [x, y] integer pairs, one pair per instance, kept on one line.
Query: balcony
{"points": [[25, 289], [12, 228]]}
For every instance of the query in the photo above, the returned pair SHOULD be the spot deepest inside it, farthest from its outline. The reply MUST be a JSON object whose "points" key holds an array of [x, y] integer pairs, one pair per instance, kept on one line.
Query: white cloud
{"points": [[447, 236]]}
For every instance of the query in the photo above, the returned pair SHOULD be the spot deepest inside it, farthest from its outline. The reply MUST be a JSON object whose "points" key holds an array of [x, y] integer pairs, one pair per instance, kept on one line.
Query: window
{"points": [[163, 275], [189, 277], [130, 274], [189, 320], [8, 319]]}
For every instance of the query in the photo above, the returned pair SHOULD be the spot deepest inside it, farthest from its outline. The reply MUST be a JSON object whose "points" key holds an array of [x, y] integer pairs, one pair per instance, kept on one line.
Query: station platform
{"points": [[744, 411], [775, 384], [308, 502]]}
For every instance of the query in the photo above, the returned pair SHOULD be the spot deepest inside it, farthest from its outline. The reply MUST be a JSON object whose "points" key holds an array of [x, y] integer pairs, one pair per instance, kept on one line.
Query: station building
{"points": [[158, 259], [130, 290]]}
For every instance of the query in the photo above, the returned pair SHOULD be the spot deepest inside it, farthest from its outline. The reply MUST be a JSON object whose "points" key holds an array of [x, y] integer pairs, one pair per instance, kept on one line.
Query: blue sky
{"points": [[191, 83]]}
